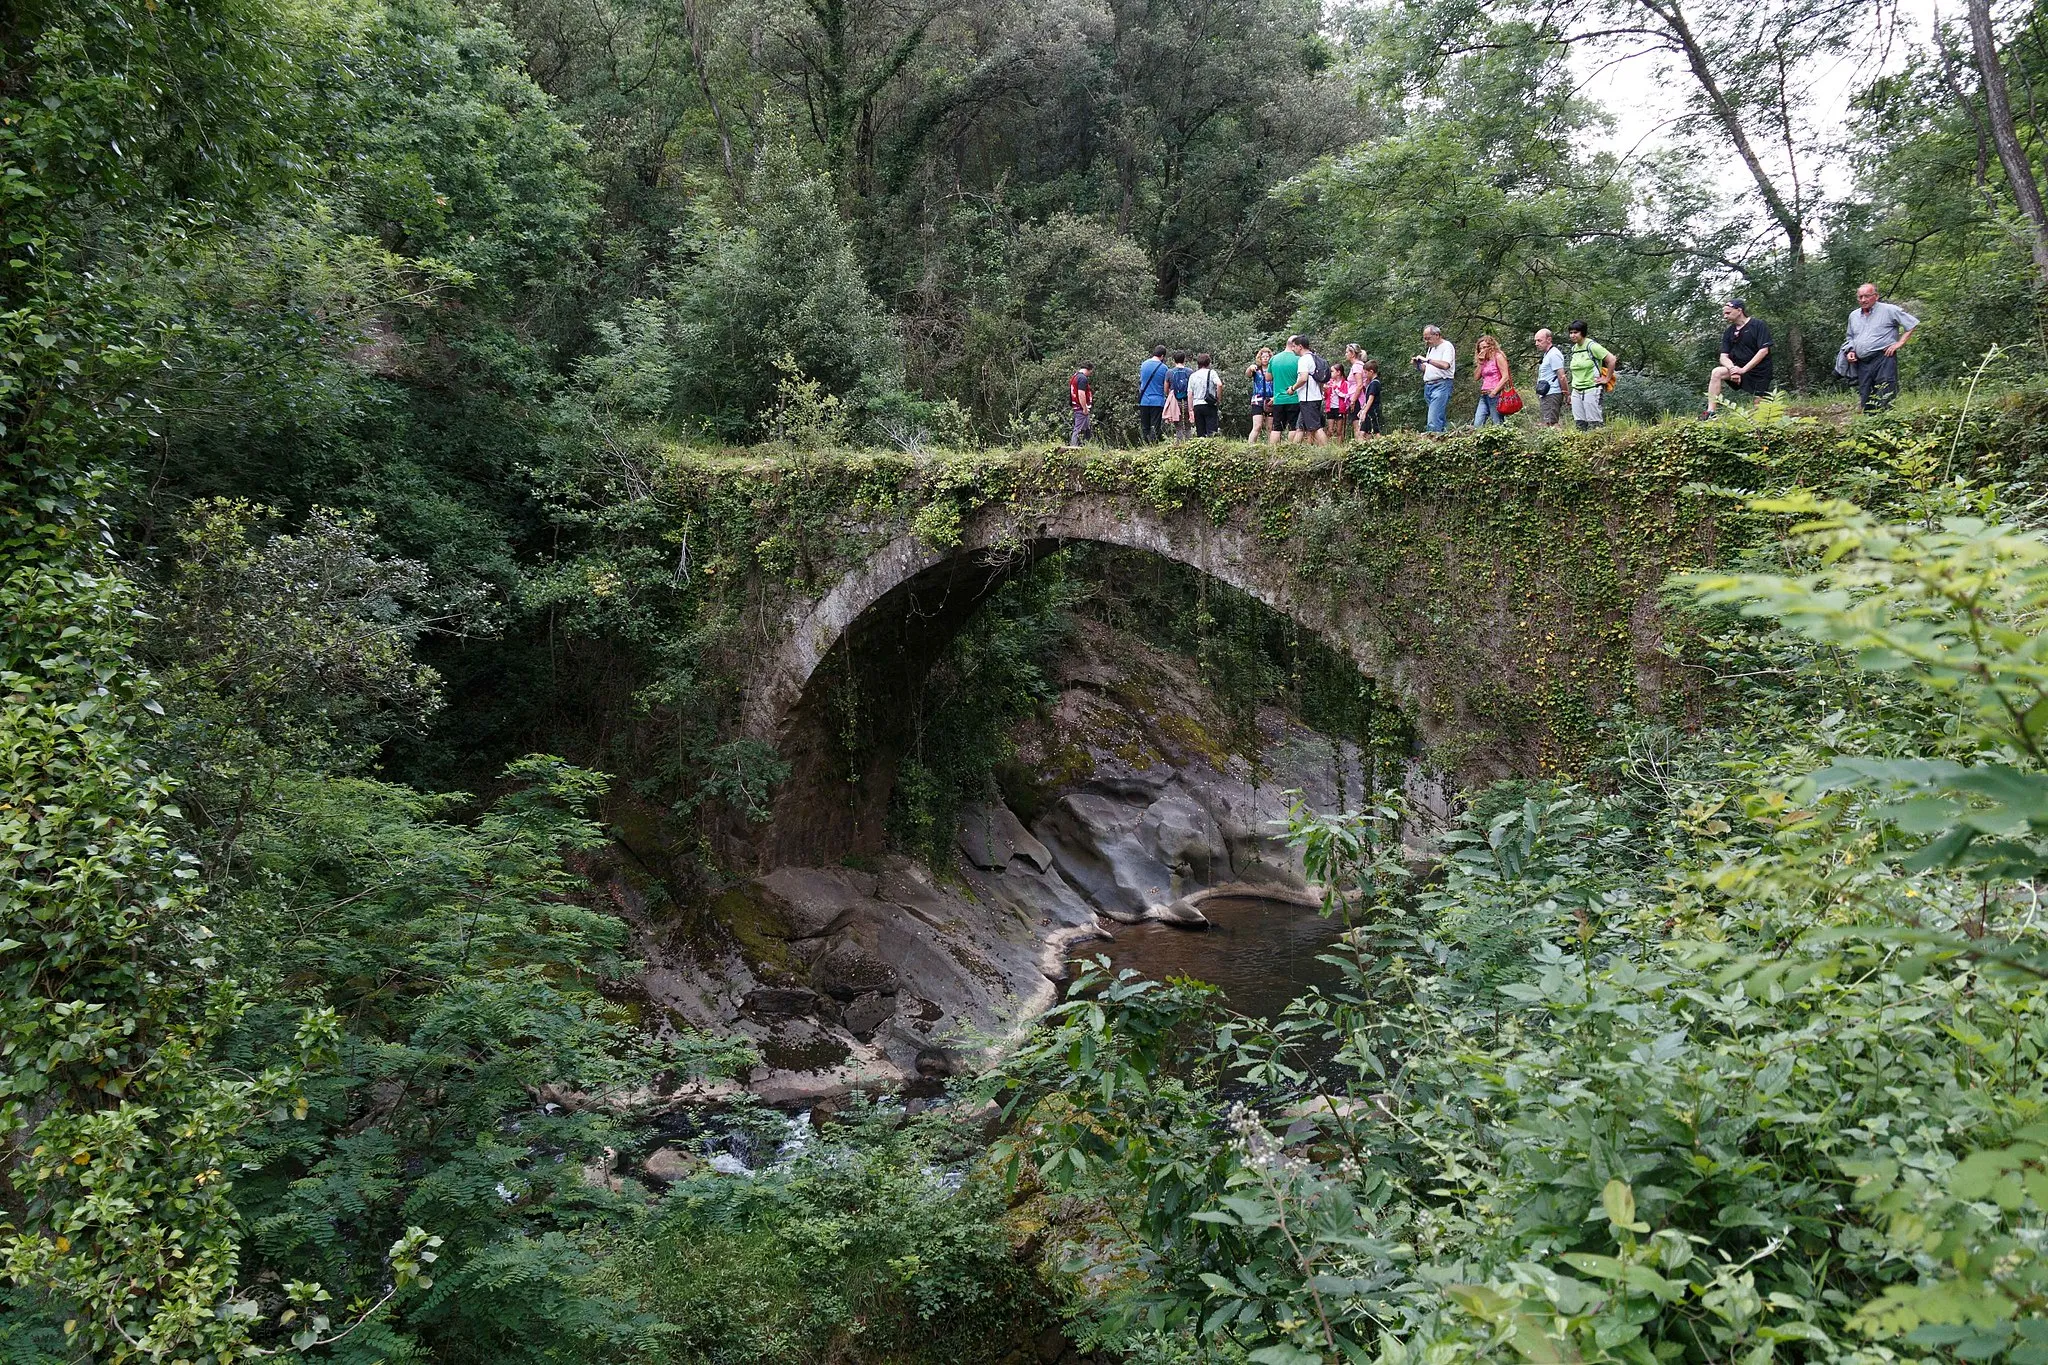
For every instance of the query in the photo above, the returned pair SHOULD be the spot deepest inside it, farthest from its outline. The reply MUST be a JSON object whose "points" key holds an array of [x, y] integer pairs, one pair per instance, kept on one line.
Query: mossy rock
{"points": [[759, 931], [806, 1054]]}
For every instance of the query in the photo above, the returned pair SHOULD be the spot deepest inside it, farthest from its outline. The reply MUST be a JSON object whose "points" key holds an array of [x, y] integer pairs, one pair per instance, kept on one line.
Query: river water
{"points": [[1261, 953]]}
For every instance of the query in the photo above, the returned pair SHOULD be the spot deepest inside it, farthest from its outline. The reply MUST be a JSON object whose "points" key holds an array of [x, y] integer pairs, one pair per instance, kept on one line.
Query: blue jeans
{"points": [[1437, 393], [1488, 411]]}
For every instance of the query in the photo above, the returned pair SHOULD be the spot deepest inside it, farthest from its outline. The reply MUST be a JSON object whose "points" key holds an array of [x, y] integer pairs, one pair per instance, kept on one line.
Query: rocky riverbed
{"points": [[1126, 804]]}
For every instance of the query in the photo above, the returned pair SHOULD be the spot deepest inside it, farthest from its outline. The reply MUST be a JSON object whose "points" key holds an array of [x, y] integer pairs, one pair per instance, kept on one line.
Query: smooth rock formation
{"points": [[1149, 804], [887, 976], [846, 978]]}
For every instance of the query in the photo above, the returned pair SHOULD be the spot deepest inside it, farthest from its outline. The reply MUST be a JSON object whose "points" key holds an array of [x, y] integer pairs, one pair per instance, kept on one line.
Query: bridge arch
{"points": [[885, 622]]}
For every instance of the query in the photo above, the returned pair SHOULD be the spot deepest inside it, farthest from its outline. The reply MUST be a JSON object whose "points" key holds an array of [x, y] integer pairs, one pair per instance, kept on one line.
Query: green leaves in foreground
{"points": [[1743, 1058], [1955, 605]]}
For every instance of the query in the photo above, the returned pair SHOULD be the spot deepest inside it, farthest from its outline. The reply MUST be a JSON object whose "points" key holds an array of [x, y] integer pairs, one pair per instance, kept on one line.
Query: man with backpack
{"points": [[1081, 393], [1871, 349], [1308, 391], [1152, 396], [1590, 371]]}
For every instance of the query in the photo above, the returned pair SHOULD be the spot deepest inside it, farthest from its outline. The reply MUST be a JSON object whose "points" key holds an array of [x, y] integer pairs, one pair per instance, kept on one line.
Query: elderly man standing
{"points": [[1876, 331], [1549, 377], [1438, 365]]}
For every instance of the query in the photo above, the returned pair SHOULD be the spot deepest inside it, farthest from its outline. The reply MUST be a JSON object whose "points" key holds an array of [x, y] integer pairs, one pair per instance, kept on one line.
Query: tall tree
{"points": [[1489, 205], [1745, 68], [846, 56], [2012, 156]]}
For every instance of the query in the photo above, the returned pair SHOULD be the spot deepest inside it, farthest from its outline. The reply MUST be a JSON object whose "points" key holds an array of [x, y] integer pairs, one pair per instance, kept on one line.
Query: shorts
{"points": [[1755, 384], [1310, 418], [1283, 416], [1261, 406]]}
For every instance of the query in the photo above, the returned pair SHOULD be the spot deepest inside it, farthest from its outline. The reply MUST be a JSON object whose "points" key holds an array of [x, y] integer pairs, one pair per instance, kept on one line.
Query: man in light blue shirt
{"points": [[1152, 395], [1550, 377], [1876, 331]]}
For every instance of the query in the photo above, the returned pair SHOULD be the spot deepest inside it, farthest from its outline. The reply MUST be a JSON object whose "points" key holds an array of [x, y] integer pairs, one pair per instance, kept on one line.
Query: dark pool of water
{"points": [[1262, 953]]}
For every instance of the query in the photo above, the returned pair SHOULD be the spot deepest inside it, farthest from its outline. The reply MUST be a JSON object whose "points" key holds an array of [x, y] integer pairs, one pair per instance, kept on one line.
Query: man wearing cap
{"points": [[1876, 331], [1745, 355]]}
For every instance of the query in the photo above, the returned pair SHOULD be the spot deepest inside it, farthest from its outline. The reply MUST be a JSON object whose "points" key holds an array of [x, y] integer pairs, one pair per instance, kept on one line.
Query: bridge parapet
{"points": [[1504, 586], [1505, 589]]}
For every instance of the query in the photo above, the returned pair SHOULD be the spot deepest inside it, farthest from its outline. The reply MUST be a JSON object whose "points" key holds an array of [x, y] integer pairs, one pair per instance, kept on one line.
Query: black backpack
{"points": [[1321, 371]]}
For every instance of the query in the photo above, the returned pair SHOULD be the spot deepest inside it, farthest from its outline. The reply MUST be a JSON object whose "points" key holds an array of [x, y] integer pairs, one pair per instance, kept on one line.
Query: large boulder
{"points": [[667, 1165], [1185, 837], [1095, 845], [991, 837], [854, 961], [810, 901], [1135, 861], [867, 1013]]}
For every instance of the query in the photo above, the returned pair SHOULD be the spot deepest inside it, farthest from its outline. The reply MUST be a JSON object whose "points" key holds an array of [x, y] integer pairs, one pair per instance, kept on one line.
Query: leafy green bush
{"points": [[779, 281], [873, 1243], [469, 1064], [1744, 1056], [125, 137]]}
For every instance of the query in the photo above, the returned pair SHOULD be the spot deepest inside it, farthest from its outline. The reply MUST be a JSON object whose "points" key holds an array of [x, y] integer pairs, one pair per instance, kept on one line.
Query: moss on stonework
{"points": [[1513, 575], [1187, 732]]}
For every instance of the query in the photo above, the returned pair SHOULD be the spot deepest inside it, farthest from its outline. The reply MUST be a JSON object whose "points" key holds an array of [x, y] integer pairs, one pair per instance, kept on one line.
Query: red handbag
{"points": [[1510, 401]]}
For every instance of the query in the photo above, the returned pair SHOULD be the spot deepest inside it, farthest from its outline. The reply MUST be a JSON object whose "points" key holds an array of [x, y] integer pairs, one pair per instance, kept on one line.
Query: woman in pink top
{"points": [[1336, 402], [1354, 374], [1492, 364]]}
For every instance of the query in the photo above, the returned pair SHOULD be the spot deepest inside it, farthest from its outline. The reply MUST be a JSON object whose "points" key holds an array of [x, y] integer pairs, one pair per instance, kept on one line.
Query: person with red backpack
{"points": [[1081, 393]]}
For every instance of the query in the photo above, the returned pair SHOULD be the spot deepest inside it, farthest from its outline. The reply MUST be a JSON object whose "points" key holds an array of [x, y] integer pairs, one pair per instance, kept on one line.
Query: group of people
{"points": [[1293, 389], [1582, 373], [1312, 398]]}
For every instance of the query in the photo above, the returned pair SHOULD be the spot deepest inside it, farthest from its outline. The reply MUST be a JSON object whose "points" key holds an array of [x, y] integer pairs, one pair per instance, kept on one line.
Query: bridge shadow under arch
{"points": [[853, 658]]}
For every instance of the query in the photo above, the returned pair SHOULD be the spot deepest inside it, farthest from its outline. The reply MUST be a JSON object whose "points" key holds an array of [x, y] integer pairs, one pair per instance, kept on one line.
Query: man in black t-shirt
{"points": [[1745, 356]]}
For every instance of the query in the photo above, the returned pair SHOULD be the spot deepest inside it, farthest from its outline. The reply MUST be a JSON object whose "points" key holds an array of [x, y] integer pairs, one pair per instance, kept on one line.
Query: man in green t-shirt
{"points": [[1286, 400], [1590, 374]]}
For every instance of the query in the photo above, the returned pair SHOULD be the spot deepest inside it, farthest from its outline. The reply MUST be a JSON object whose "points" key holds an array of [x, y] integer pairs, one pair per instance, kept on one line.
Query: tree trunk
{"points": [[732, 174], [1789, 216], [835, 109], [1730, 118], [2019, 168]]}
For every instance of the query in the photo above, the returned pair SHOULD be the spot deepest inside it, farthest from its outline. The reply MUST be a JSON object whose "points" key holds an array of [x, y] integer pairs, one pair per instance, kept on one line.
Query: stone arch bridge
{"points": [[1505, 592]]}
